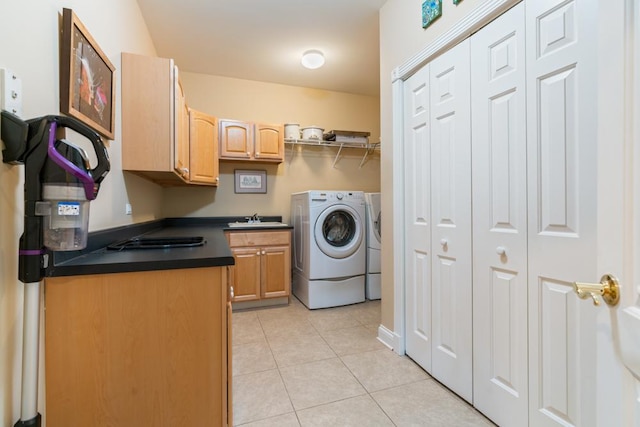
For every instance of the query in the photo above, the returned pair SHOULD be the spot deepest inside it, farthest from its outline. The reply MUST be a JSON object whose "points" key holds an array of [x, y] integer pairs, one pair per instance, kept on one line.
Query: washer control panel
{"points": [[327, 196]]}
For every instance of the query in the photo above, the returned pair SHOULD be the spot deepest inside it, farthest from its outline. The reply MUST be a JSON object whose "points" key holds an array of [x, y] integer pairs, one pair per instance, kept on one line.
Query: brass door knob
{"points": [[608, 289]]}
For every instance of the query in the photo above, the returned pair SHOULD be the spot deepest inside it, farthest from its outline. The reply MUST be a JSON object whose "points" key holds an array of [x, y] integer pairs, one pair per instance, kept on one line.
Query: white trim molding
{"points": [[386, 337], [472, 22]]}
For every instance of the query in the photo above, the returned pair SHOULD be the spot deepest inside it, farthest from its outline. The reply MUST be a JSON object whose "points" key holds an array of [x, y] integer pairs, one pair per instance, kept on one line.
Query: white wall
{"points": [[29, 30], [305, 168], [401, 37]]}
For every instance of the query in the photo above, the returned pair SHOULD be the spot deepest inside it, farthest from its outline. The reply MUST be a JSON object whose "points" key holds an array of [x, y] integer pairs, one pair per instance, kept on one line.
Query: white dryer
{"points": [[374, 239], [329, 249]]}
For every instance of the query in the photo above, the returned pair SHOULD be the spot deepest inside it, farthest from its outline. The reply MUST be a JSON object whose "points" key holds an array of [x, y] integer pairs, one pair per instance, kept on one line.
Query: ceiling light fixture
{"points": [[312, 59]]}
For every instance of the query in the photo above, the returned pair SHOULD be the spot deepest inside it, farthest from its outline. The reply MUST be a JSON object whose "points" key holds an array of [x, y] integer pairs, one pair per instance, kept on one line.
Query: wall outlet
{"points": [[10, 92], [127, 209]]}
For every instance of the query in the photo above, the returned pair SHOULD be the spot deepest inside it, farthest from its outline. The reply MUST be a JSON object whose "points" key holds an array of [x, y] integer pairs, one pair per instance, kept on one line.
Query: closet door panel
{"points": [[418, 218], [562, 129], [500, 219], [451, 220]]}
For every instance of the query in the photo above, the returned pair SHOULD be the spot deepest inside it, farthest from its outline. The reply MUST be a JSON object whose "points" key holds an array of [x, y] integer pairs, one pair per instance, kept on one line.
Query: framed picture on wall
{"points": [[250, 181], [87, 77]]}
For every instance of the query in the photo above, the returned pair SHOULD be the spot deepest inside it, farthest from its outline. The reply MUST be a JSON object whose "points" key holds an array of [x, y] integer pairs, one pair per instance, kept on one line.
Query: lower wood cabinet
{"points": [[263, 264], [144, 348]]}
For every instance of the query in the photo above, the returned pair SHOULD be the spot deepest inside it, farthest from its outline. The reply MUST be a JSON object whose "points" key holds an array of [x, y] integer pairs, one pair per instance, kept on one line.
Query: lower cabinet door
{"points": [[245, 275], [276, 268]]}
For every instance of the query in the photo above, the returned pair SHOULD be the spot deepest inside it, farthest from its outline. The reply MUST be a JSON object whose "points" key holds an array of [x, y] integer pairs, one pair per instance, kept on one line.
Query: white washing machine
{"points": [[374, 238], [329, 249]]}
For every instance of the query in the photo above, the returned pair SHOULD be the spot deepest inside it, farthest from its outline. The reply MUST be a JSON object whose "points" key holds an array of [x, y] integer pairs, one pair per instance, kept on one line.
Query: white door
{"points": [[562, 190], [438, 219], [417, 178], [451, 220], [580, 202], [499, 166]]}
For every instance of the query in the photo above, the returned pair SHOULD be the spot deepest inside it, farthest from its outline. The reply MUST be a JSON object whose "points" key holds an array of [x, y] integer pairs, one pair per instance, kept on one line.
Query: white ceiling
{"points": [[263, 39]]}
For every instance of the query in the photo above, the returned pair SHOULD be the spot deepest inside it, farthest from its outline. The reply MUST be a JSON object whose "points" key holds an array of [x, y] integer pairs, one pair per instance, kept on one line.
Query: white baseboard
{"points": [[386, 337]]}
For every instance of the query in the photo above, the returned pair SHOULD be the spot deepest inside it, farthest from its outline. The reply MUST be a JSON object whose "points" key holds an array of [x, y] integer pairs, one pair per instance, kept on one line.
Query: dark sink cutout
{"points": [[157, 243]]}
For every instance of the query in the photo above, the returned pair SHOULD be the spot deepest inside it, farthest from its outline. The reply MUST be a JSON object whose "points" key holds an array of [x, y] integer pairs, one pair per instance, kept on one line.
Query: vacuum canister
{"points": [[65, 207]]}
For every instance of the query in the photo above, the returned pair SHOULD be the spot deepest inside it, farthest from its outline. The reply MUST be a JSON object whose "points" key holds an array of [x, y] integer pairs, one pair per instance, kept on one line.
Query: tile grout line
{"points": [[319, 332], [284, 384]]}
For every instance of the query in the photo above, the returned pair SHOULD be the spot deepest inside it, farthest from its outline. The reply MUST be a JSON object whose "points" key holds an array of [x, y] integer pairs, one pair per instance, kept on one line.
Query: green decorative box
{"points": [[431, 10]]}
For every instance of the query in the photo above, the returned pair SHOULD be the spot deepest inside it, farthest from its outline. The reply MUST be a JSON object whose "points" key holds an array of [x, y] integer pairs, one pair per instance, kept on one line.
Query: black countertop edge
{"points": [[81, 270], [93, 259]]}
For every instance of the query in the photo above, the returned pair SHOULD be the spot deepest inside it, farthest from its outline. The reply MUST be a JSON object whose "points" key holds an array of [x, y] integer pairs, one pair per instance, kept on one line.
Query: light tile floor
{"points": [[298, 367]]}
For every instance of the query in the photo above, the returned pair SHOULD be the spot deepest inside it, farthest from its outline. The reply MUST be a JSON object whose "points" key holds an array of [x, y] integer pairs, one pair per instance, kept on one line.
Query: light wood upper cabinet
{"points": [[262, 264], [156, 139], [236, 140], [269, 142], [253, 142], [182, 130], [203, 148]]}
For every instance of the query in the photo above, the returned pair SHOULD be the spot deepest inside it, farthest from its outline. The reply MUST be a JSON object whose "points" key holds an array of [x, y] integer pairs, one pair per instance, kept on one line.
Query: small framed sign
{"points": [[250, 181]]}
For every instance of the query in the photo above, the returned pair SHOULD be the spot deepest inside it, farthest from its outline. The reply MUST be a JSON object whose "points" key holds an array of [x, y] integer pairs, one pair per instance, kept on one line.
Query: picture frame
{"points": [[250, 181], [87, 78]]}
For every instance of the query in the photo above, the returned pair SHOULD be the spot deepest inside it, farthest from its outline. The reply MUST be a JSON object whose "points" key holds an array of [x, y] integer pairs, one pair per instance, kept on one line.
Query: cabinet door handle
{"points": [[258, 253], [248, 154], [263, 252], [257, 154], [231, 293]]}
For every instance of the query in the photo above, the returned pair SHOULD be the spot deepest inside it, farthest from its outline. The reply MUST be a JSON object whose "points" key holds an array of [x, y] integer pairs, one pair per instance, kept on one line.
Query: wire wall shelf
{"points": [[368, 147]]}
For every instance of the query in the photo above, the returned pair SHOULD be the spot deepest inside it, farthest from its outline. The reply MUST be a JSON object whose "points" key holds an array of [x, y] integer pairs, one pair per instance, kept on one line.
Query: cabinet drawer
{"points": [[259, 238]]}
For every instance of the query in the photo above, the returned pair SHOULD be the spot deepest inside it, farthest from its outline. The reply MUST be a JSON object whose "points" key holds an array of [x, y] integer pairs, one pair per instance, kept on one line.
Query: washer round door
{"points": [[338, 231]]}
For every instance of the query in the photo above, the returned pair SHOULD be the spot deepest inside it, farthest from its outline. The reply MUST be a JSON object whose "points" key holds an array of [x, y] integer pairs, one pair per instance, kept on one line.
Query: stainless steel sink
{"points": [[261, 224]]}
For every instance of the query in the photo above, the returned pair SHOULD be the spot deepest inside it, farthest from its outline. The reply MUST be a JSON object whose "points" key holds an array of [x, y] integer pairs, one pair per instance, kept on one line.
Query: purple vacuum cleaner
{"points": [[58, 186]]}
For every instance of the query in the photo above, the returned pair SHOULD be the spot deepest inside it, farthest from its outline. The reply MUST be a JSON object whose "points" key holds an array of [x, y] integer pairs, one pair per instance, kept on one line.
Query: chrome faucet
{"points": [[253, 218]]}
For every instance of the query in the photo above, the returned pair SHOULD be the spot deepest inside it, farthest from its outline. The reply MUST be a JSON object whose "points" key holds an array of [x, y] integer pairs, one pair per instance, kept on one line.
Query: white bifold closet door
{"points": [[563, 185], [417, 176], [528, 324], [533, 90], [499, 165], [451, 220], [438, 197]]}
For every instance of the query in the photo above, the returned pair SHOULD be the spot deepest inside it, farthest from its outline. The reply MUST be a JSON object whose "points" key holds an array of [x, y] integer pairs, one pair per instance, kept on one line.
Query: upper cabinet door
{"points": [[203, 143], [148, 114], [181, 159], [269, 142], [236, 140], [246, 141]]}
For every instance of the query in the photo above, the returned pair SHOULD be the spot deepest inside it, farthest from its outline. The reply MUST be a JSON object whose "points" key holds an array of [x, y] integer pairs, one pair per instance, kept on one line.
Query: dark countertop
{"points": [[97, 259]]}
